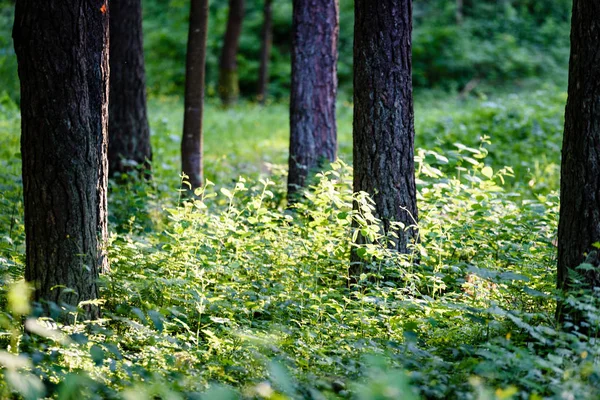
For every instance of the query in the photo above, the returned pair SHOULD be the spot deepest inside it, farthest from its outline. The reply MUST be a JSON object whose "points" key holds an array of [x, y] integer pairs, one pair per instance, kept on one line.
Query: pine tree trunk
{"points": [[383, 114], [265, 52], [579, 225], [229, 89], [313, 131], [191, 144], [62, 53], [129, 133], [459, 12]]}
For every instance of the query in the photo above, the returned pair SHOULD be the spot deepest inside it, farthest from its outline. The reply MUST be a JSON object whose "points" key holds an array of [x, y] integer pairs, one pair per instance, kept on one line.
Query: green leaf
{"points": [[156, 319], [281, 379], [97, 354], [27, 385], [361, 252], [227, 193], [18, 298], [488, 172], [411, 326], [586, 267], [512, 276]]}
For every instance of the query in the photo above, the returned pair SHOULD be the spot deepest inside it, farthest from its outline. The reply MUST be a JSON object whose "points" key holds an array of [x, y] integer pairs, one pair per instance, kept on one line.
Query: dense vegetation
{"points": [[235, 289], [498, 42], [233, 294]]}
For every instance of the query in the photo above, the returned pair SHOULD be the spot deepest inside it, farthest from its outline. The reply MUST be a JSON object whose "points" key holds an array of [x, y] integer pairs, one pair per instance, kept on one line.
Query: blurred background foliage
{"points": [[497, 42]]}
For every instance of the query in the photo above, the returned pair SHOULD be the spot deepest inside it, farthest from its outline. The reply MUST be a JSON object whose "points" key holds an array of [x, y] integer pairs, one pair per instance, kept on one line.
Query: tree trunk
{"points": [[191, 144], [383, 114], [459, 12], [62, 53], [129, 133], [229, 89], [265, 52], [579, 225], [313, 132]]}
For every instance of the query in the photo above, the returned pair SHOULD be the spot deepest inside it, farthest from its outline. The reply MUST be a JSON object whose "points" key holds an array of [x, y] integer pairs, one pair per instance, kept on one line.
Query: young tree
{"points": [[129, 133], [383, 113], [459, 15], [265, 52], [579, 224], [62, 53], [313, 131], [229, 88], [191, 143]]}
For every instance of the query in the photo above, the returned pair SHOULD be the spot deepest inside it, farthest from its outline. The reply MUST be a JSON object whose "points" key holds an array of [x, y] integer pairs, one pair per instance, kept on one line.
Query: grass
{"points": [[238, 295], [525, 132]]}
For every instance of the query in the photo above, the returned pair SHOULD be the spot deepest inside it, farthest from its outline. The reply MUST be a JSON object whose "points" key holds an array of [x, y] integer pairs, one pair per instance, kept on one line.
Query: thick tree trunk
{"points": [[313, 132], [229, 89], [383, 114], [579, 226], [62, 52], [191, 144], [129, 133], [265, 52]]}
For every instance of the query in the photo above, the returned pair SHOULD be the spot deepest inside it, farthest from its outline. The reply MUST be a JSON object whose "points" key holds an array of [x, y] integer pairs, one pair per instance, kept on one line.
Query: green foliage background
{"points": [[499, 42]]}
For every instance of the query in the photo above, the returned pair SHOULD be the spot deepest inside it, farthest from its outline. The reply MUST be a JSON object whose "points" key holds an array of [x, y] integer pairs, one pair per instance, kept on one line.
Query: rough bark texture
{"points": [[383, 112], [228, 88], [265, 52], [579, 226], [191, 143], [62, 52], [129, 133], [313, 131]]}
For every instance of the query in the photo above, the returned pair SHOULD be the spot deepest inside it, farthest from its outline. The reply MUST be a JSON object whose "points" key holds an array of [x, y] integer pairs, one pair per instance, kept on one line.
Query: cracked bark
{"points": [[579, 224], [191, 143], [313, 131], [62, 54], [129, 133], [383, 114]]}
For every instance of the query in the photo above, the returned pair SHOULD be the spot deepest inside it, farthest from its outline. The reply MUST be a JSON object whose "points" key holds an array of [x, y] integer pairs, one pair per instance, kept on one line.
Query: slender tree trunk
{"points": [[459, 12], [62, 52], [191, 144], [383, 114], [129, 133], [313, 131], [579, 225], [265, 52], [229, 88]]}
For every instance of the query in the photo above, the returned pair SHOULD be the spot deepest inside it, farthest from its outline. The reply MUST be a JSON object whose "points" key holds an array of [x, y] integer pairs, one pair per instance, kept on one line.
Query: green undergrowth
{"points": [[234, 295], [522, 129]]}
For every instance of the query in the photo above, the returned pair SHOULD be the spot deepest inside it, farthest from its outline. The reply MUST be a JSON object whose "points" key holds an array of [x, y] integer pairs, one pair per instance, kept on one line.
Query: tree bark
{"points": [[384, 133], [62, 54], [459, 12], [579, 225], [129, 133], [313, 131], [265, 52], [228, 88], [191, 144]]}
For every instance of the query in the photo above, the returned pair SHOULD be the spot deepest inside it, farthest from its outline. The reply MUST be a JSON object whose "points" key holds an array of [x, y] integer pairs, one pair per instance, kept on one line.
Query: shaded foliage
{"points": [[499, 41]]}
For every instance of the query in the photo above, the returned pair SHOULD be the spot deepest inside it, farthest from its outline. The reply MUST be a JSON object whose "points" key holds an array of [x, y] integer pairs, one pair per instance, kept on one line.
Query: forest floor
{"points": [[235, 293]]}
